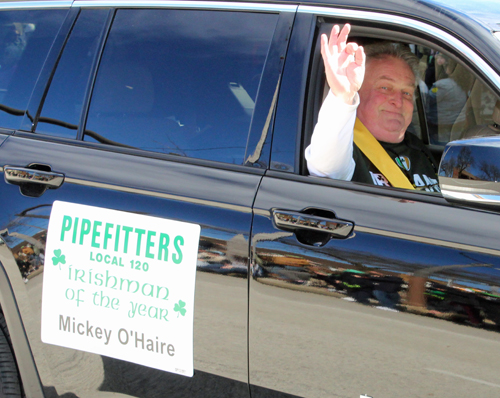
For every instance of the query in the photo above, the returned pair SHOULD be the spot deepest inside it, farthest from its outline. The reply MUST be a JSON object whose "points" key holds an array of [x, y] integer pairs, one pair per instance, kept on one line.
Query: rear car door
{"points": [[150, 111], [358, 289]]}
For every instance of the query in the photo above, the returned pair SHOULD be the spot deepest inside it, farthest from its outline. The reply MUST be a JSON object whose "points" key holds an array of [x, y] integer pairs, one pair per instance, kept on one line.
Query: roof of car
{"points": [[484, 11]]}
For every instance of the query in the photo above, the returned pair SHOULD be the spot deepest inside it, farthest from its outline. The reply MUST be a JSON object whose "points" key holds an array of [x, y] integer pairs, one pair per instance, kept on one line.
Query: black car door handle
{"points": [[22, 175], [291, 220]]}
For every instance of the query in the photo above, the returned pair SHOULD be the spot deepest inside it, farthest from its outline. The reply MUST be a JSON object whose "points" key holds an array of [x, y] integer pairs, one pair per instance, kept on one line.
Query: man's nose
{"points": [[397, 98]]}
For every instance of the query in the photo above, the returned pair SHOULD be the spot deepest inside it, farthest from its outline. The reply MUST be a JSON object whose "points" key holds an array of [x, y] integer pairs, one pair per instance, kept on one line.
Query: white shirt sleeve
{"points": [[330, 151]]}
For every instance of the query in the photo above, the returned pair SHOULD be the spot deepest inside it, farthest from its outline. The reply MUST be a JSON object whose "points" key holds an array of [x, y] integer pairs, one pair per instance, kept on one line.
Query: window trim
{"points": [[213, 5], [31, 5], [376, 190], [408, 23]]}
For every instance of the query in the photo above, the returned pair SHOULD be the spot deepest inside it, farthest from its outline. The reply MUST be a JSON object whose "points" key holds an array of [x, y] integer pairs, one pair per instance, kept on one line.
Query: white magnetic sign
{"points": [[120, 284]]}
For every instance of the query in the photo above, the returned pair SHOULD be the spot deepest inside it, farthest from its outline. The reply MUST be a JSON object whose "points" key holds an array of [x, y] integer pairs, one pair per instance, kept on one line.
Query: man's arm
{"points": [[330, 152]]}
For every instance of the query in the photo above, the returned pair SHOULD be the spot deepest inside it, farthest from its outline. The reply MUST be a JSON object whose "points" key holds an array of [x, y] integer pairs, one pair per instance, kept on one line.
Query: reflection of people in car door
{"points": [[358, 285], [382, 100], [386, 289]]}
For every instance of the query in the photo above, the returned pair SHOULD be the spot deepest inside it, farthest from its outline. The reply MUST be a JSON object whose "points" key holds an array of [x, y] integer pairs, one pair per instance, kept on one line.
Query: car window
{"points": [[180, 82], [62, 107], [25, 38], [450, 102]]}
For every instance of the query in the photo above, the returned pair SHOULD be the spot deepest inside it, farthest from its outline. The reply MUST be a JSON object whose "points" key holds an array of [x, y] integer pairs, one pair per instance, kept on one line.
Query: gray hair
{"points": [[400, 51]]}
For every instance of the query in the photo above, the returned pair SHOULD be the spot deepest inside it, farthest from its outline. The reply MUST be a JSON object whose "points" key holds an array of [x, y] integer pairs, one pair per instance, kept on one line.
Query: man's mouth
{"points": [[394, 115]]}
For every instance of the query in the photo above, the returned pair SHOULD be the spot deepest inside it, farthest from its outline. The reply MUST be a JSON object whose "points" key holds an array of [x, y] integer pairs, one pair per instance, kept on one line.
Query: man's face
{"points": [[386, 98]]}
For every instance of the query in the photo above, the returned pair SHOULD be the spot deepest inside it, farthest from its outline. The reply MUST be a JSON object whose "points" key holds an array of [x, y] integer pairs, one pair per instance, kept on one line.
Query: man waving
{"points": [[361, 130]]}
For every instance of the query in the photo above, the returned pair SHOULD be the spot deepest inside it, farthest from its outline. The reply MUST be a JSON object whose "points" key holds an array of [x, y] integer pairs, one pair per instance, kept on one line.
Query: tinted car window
{"points": [[63, 105], [26, 37], [180, 81]]}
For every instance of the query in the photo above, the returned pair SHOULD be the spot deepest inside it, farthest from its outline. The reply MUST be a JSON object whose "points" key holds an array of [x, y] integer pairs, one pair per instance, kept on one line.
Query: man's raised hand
{"points": [[344, 63]]}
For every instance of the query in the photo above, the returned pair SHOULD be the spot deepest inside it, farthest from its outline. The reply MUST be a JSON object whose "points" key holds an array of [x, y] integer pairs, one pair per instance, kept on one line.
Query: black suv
{"points": [[160, 235]]}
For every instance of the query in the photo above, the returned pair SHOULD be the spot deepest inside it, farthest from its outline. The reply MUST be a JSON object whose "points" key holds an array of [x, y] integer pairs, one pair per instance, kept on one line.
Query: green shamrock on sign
{"points": [[179, 307], [58, 258]]}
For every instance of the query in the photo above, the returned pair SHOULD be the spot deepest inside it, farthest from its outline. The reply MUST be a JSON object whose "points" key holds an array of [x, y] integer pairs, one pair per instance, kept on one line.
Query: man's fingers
{"points": [[345, 32], [325, 48], [342, 37], [360, 56], [324, 45], [351, 48], [334, 36]]}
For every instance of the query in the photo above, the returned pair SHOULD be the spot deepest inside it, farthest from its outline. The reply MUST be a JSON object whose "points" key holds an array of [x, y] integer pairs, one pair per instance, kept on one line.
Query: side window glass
{"points": [[62, 108], [180, 82], [25, 37]]}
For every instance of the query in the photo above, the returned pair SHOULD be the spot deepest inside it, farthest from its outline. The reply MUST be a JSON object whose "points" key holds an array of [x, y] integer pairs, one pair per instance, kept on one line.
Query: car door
{"points": [[152, 120], [358, 289]]}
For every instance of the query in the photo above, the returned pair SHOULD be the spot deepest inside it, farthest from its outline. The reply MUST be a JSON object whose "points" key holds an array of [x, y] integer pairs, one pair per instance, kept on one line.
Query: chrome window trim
{"points": [[213, 5], [471, 56], [22, 5]]}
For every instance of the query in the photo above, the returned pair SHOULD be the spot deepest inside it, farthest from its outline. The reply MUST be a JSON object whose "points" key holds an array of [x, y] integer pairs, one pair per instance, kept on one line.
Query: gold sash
{"points": [[372, 149]]}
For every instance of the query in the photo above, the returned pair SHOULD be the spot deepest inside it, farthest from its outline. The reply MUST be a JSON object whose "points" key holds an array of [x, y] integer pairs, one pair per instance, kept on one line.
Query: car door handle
{"points": [[22, 175], [292, 220]]}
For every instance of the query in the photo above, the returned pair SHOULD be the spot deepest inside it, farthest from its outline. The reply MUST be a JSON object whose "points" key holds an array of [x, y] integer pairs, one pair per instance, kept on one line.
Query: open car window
{"points": [[451, 101]]}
